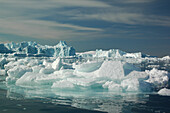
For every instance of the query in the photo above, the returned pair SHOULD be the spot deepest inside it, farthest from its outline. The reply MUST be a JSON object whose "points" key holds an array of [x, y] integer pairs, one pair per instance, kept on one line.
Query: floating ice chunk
{"points": [[34, 62], [112, 86], [165, 58], [164, 92], [137, 75], [158, 78], [114, 53], [57, 64], [133, 55], [46, 70], [29, 79], [88, 54], [131, 84], [135, 85], [62, 84], [111, 69], [16, 72], [115, 70], [2, 72], [88, 66], [36, 69], [46, 63], [64, 74]]}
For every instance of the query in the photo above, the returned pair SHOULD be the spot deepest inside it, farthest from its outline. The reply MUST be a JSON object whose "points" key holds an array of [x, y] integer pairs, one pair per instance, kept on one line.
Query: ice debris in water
{"points": [[164, 92], [114, 76], [30, 64]]}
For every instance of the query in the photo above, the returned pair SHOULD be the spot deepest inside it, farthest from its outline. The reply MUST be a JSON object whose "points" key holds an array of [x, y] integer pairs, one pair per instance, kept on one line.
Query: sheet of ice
{"points": [[164, 92]]}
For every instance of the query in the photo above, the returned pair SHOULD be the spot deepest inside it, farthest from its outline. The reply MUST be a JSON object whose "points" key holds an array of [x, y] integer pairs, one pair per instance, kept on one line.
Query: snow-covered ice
{"points": [[164, 92], [114, 76], [58, 70], [92, 69]]}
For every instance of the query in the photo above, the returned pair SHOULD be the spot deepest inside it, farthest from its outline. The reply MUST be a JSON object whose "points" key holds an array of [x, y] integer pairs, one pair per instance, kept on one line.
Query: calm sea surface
{"points": [[11, 102]]}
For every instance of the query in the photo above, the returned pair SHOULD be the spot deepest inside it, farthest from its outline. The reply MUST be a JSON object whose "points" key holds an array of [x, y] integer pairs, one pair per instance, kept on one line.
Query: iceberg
{"points": [[32, 49], [158, 78], [17, 72], [94, 76], [112, 53], [104, 70], [87, 66], [3, 72], [114, 76], [164, 92]]}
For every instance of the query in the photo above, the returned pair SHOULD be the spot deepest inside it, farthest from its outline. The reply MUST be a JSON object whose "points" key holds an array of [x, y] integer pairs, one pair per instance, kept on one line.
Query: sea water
{"points": [[28, 100]]}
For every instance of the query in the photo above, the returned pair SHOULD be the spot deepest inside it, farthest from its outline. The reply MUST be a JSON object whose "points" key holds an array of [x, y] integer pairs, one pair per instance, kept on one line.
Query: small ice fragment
{"points": [[164, 92]]}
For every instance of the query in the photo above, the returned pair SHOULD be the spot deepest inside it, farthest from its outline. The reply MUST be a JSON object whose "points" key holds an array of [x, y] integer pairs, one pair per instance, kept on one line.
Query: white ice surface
{"points": [[114, 76], [164, 92], [33, 49]]}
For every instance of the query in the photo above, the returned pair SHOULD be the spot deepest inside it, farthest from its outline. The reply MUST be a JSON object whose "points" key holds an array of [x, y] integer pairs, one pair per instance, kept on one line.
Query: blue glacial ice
{"points": [[113, 70], [113, 76], [32, 49], [49, 71]]}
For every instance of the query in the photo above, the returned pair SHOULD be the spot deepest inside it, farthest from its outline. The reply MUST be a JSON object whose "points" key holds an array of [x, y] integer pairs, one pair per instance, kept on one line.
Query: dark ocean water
{"points": [[36, 105], [132, 103]]}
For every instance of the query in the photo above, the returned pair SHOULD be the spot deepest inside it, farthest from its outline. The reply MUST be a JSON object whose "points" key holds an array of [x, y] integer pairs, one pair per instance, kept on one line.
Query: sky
{"points": [[129, 25]]}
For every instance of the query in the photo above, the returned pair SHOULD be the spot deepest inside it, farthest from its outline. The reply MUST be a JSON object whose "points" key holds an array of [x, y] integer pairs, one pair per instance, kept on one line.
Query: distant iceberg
{"points": [[32, 49], [112, 53]]}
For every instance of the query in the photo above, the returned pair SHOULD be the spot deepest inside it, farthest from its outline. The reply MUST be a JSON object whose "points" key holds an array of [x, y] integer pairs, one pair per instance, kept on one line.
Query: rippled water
{"points": [[26, 100]]}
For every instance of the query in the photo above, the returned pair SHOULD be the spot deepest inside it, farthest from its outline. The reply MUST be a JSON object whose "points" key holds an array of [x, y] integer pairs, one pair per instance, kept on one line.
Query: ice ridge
{"points": [[32, 49]]}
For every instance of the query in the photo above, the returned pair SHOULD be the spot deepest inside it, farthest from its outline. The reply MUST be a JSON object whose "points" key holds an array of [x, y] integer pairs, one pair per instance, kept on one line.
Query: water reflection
{"points": [[100, 101]]}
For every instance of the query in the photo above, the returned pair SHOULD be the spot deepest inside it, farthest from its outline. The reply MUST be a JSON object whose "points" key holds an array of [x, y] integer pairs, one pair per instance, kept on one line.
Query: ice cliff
{"points": [[32, 49]]}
